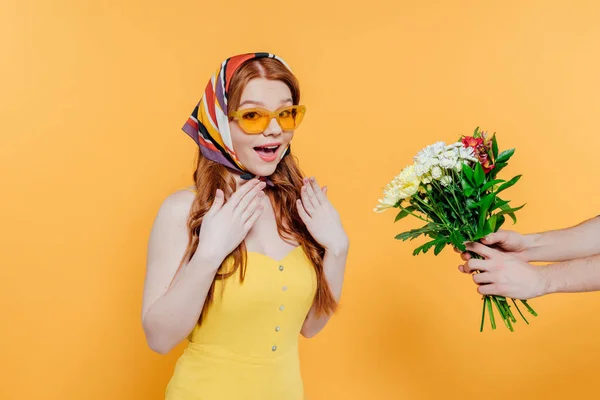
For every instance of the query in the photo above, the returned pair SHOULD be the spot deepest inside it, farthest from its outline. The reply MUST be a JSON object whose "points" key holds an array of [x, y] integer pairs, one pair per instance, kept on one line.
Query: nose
{"points": [[273, 129]]}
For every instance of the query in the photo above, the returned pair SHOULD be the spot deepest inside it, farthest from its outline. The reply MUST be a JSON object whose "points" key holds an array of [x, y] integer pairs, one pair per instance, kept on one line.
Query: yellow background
{"points": [[92, 98]]}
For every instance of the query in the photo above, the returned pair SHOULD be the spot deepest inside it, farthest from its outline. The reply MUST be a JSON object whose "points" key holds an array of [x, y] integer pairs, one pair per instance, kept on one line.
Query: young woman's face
{"points": [[260, 153]]}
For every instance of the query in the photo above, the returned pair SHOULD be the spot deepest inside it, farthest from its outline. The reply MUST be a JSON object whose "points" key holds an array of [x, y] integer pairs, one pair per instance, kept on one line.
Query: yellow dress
{"points": [[247, 344]]}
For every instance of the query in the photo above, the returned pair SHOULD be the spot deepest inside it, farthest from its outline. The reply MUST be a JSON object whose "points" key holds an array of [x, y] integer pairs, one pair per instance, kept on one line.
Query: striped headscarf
{"points": [[209, 123]]}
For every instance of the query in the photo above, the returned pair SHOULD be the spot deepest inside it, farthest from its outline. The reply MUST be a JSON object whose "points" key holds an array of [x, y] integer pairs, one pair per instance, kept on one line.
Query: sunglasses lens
{"points": [[290, 117], [254, 121]]}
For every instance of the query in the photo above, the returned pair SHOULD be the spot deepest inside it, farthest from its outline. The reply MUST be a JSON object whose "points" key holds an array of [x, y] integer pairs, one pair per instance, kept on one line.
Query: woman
{"points": [[250, 257]]}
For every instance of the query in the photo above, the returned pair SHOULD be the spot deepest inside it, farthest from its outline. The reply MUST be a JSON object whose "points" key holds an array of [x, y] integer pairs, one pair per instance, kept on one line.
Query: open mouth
{"points": [[267, 153]]}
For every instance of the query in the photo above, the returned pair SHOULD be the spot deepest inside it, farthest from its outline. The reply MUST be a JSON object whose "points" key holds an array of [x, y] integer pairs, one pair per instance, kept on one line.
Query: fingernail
{"points": [[312, 179]]}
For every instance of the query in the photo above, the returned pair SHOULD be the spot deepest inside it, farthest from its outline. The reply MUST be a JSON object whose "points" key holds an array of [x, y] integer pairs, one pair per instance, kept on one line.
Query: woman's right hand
{"points": [[508, 242], [225, 226]]}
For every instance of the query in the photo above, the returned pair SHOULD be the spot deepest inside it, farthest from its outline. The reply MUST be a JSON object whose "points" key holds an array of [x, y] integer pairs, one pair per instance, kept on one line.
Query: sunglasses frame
{"points": [[237, 115]]}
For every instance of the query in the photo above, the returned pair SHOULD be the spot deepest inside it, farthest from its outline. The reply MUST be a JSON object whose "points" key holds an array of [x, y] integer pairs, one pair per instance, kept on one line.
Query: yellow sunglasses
{"points": [[255, 120]]}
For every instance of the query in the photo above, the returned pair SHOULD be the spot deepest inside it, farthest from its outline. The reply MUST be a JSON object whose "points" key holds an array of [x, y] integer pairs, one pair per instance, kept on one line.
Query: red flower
{"points": [[470, 141], [482, 151]]}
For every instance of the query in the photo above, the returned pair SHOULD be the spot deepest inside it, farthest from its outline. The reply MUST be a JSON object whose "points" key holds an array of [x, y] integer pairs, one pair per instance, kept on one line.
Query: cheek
{"points": [[288, 136], [241, 142]]}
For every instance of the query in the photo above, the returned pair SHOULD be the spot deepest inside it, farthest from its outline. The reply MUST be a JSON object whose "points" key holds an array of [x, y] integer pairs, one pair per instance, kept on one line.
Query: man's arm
{"points": [[579, 241]]}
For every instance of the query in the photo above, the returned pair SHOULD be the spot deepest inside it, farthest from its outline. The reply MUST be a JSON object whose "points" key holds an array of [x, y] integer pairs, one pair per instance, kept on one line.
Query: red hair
{"points": [[287, 178]]}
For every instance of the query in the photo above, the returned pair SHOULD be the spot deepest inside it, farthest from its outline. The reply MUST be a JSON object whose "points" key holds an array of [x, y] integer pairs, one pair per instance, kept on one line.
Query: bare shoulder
{"points": [[169, 231], [177, 205]]}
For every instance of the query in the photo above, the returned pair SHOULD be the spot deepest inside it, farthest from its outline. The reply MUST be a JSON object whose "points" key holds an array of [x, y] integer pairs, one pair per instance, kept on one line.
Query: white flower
{"points": [[401, 187], [448, 160], [421, 169], [467, 153], [455, 145], [408, 182], [446, 180], [438, 147], [436, 172], [430, 152], [422, 158]]}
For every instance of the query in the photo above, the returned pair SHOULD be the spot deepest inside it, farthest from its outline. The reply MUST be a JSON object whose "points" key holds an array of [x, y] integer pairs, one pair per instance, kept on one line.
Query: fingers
{"points": [[308, 204], [324, 189], [475, 265], [488, 289], [317, 190], [312, 194], [241, 192], [483, 278], [481, 249], [253, 218], [464, 255], [494, 238], [251, 208], [302, 212], [249, 196], [217, 203]]}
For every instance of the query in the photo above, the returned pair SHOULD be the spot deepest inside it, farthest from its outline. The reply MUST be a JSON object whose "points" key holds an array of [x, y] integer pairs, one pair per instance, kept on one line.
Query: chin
{"points": [[262, 170]]}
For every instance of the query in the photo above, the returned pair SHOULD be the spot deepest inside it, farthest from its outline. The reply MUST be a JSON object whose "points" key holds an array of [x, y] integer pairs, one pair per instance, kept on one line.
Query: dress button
{"points": [[284, 288], [281, 267], [273, 348], [281, 307], [277, 329]]}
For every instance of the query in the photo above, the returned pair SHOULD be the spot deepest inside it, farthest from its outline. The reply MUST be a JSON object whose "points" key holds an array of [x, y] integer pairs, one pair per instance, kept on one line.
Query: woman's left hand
{"points": [[321, 218]]}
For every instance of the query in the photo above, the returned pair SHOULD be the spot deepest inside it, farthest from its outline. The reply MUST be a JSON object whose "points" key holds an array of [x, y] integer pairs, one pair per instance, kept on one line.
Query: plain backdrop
{"points": [[92, 98]]}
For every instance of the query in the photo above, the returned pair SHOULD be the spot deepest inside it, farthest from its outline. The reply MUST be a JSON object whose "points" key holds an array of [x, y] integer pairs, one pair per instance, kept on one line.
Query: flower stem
{"points": [[502, 312], [507, 308], [531, 310], [485, 300], [522, 316], [415, 215], [490, 312]]}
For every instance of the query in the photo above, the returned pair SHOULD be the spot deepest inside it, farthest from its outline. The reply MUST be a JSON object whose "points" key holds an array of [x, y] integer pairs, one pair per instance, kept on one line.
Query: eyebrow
{"points": [[260, 103]]}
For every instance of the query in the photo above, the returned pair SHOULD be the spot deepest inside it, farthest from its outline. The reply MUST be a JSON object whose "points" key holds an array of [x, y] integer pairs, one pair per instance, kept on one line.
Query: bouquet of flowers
{"points": [[455, 190]]}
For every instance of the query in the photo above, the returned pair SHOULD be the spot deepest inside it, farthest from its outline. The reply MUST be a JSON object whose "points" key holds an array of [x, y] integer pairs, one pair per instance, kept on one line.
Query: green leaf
{"points": [[479, 175], [469, 192], [492, 222], [472, 204], [505, 156], [486, 202], [468, 173], [491, 183], [499, 222], [457, 240], [508, 184], [476, 133], [497, 168], [439, 247], [415, 233], [494, 147], [465, 183], [425, 247], [487, 229], [498, 203], [405, 211], [510, 212]]}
